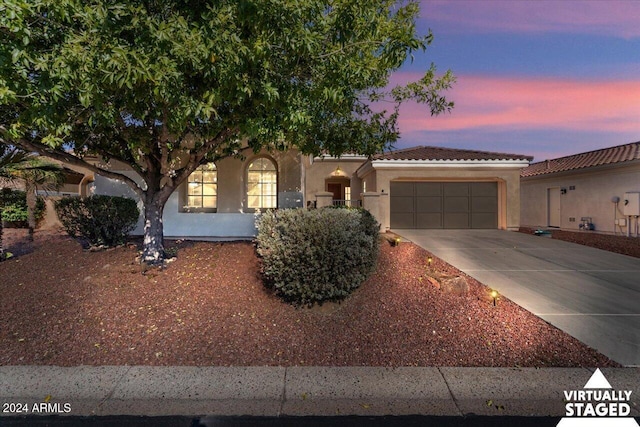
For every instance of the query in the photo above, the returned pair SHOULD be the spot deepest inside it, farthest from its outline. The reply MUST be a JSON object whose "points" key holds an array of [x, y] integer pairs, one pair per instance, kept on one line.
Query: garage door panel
{"points": [[484, 220], [427, 189], [485, 189], [484, 204], [456, 220], [403, 220], [456, 204], [399, 189], [456, 189], [402, 205], [429, 220], [428, 204]]}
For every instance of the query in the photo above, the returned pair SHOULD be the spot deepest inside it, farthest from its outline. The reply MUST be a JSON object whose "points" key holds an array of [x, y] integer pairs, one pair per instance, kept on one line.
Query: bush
{"points": [[311, 256], [102, 220], [13, 204]]}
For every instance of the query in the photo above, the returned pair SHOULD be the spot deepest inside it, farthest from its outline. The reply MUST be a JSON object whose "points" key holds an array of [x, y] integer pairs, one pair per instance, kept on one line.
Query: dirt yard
{"points": [[64, 306]]}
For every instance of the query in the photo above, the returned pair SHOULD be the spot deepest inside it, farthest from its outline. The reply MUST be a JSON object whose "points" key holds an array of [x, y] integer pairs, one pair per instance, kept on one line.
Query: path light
{"points": [[397, 241], [494, 294], [429, 261]]}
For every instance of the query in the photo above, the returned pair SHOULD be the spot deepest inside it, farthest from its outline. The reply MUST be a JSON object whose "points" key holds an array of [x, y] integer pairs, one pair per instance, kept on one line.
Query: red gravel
{"points": [[608, 242], [64, 306]]}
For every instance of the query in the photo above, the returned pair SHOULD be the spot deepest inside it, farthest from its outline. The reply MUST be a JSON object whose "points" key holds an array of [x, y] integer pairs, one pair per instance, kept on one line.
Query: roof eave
{"points": [[502, 163]]}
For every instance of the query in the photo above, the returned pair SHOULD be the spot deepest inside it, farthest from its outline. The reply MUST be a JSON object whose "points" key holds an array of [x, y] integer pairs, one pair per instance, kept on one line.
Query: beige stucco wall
{"points": [[318, 172], [591, 197], [231, 218], [508, 180]]}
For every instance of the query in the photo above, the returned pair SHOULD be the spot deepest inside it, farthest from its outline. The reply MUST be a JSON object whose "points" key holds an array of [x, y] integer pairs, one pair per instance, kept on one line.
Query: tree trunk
{"points": [[31, 207], [153, 245], [2, 254]]}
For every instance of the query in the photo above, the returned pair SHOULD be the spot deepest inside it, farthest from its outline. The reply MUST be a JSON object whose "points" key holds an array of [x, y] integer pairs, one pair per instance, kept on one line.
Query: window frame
{"points": [[184, 200], [262, 196]]}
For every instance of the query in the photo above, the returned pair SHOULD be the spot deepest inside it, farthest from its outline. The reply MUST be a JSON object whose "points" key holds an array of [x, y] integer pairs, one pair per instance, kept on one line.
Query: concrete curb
{"points": [[297, 391]]}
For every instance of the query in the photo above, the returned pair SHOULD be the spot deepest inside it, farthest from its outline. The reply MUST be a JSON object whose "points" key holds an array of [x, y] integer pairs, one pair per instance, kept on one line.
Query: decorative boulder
{"points": [[457, 285]]}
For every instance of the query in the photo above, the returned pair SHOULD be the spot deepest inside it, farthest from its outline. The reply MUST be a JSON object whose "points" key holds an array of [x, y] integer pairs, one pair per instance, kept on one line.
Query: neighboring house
{"points": [[420, 187], [583, 191]]}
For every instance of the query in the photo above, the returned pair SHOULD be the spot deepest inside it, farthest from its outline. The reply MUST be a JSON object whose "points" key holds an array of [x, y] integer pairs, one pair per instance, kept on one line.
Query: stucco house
{"points": [[584, 191], [419, 187]]}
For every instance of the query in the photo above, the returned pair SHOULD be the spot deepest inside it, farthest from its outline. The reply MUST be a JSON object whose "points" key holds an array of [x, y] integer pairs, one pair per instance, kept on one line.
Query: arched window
{"points": [[202, 189], [262, 184]]}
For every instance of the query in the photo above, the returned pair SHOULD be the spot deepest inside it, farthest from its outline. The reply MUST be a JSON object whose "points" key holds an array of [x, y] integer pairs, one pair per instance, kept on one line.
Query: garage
{"points": [[443, 205]]}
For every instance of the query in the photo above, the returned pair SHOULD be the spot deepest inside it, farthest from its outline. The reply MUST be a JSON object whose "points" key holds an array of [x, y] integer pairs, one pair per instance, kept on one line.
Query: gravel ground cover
{"points": [[60, 305], [608, 242]]}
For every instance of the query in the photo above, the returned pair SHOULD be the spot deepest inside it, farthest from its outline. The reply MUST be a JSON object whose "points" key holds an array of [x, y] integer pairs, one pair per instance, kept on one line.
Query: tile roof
{"points": [[605, 156], [422, 152]]}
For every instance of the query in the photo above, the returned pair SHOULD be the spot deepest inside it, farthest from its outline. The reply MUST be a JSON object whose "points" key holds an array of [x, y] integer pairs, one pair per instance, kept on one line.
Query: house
{"points": [[584, 191], [419, 187]]}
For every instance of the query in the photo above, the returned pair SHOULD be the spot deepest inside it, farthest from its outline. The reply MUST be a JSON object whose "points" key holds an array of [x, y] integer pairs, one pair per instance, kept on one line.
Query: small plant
{"points": [[317, 255], [102, 220], [13, 205]]}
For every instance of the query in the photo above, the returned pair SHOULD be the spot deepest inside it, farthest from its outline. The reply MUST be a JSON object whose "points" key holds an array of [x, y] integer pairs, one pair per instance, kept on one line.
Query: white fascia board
{"points": [[398, 164], [343, 157], [364, 169]]}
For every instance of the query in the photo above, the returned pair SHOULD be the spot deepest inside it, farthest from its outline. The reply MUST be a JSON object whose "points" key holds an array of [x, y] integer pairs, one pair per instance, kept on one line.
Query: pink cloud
{"points": [[531, 103], [611, 17]]}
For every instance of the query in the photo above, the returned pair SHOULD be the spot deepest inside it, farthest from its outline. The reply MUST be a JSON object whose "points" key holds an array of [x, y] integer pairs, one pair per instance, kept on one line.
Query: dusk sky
{"points": [[542, 78]]}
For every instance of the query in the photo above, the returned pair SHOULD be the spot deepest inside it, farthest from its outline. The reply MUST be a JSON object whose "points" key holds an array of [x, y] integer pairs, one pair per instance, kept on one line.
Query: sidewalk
{"points": [[279, 391]]}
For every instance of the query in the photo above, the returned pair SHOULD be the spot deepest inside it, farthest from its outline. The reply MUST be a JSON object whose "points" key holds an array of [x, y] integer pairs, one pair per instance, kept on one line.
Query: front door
{"points": [[553, 207], [336, 189]]}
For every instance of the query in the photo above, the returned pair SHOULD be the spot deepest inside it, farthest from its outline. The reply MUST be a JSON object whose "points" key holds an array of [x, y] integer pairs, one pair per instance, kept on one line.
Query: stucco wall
{"points": [[231, 218], [318, 172], [591, 197], [508, 186]]}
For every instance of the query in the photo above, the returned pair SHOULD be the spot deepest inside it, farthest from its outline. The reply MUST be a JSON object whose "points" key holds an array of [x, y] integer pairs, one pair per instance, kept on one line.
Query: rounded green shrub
{"points": [[102, 220], [316, 255]]}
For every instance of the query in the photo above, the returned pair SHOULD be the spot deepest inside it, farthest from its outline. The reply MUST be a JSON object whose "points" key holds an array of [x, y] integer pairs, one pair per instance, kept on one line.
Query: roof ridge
{"points": [[584, 153]]}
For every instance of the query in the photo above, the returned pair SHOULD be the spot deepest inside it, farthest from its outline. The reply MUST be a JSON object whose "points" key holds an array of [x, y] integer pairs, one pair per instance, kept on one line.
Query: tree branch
{"points": [[72, 160]]}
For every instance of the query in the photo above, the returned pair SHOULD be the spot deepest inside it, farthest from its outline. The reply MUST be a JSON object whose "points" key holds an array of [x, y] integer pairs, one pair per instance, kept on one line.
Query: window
{"points": [[262, 184], [202, 189]]}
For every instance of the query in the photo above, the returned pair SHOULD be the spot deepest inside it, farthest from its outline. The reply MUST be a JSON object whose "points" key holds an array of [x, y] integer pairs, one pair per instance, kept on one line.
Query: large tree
{"points": [[166, 85]]}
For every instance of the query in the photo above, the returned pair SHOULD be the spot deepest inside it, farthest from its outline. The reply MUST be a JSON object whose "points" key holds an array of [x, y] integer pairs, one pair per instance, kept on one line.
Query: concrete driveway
{"points": [[591, 294]]}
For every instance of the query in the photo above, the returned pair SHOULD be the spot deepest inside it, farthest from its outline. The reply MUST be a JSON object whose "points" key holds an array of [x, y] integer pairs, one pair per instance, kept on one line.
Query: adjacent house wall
{"points": [[588, 194]]}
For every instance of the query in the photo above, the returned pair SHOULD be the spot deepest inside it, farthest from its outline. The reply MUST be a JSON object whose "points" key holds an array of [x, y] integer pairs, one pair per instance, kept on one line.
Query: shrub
{"points": [[102, 220], [13, 204], [311, 256]]}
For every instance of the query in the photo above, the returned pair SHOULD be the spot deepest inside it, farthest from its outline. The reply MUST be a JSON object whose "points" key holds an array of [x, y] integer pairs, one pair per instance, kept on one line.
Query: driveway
{"points": [[593, 295]]}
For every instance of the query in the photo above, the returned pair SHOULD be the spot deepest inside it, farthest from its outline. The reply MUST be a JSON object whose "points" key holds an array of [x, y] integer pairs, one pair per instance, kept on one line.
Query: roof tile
{"points": [[605, 156], [422, 152]]}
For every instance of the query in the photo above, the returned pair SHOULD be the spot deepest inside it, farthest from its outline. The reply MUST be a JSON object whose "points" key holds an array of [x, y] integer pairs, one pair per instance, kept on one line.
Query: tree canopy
{"points": [[165, 86]]}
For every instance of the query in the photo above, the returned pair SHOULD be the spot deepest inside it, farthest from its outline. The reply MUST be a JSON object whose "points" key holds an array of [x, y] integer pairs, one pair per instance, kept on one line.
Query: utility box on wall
{"points": [[631, 205]]}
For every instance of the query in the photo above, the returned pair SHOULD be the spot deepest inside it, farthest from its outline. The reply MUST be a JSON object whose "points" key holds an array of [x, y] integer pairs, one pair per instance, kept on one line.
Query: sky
{"points": [[540, 78]]}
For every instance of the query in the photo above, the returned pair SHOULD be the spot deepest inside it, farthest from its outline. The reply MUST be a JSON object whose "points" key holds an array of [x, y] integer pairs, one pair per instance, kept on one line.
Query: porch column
{"points": [[371, 202], [324, 198]]}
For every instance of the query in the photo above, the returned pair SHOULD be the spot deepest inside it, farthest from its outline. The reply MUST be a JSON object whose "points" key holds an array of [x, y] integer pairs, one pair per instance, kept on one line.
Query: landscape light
{"points": [[494, 294], [397, 241]]}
